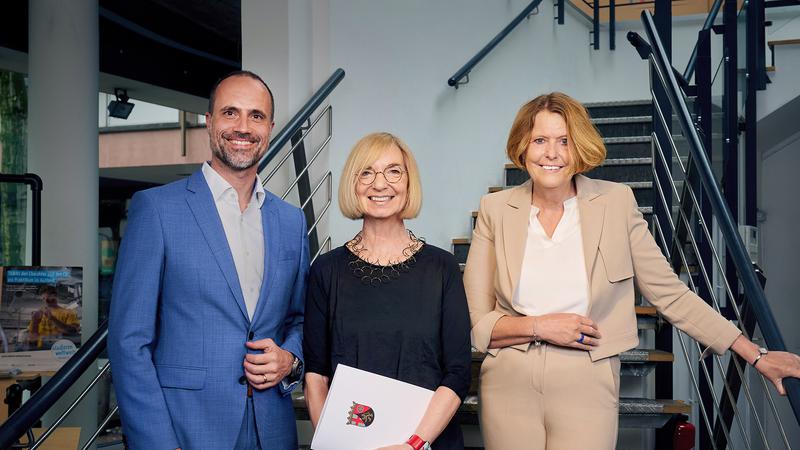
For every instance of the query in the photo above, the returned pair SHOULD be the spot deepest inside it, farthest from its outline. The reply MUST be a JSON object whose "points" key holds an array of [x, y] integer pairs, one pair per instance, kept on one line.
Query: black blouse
{"points": [[413, 328]]}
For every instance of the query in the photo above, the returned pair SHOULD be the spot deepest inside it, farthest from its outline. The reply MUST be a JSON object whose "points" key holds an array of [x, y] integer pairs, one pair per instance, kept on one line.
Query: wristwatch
{"points": [[417, 443], [762, 352], [297, 368]]}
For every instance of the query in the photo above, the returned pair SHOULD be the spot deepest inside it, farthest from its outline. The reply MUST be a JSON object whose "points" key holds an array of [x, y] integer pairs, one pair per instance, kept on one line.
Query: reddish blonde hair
{"points": [[585, 144]]}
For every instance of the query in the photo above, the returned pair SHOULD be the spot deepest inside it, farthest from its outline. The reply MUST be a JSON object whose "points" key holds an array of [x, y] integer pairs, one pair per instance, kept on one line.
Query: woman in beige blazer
{"points": [[553, 316]]}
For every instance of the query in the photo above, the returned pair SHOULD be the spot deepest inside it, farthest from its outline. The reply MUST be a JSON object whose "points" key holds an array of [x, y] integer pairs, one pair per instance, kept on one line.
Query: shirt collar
{"points": [[219, 186]]}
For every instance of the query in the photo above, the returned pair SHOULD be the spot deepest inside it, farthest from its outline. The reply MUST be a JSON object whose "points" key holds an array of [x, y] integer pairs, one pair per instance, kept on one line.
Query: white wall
{"points": [[285, 42], [784, 86], [780, 246], [399, 55]]}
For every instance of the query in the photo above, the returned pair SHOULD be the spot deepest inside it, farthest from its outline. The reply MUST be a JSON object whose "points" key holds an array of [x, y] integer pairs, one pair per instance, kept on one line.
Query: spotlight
{"points": [[120, 108]]}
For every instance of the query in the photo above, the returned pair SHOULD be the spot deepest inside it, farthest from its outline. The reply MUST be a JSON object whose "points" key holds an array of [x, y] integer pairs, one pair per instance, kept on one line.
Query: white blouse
{"points": [[553, 276]]}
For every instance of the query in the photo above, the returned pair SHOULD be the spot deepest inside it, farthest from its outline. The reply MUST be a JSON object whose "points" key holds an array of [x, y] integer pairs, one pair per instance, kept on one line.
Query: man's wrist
{"points": [[295, 368]]}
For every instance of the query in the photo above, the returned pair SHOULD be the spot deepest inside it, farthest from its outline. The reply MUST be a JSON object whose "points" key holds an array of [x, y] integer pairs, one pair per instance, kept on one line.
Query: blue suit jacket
{"points": [[178, 322]]}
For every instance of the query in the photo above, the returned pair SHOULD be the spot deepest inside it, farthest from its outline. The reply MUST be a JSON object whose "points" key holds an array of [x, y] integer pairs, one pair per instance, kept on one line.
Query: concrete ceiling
{"points": [[168, 52]]}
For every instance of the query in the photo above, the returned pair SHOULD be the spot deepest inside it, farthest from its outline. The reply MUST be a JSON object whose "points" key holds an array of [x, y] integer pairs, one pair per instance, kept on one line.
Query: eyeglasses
{"points": [[392, 175]]}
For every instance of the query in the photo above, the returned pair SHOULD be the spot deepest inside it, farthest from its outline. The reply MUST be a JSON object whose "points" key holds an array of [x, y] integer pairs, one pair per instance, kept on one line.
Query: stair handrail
{"points": [[710, 18], [463, 72], [35, 182], [296, 122], [43, 399], [733, 241]]}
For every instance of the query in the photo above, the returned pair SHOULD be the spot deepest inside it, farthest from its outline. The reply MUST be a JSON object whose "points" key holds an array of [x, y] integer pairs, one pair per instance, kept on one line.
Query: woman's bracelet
{"points": [[535, 337]]}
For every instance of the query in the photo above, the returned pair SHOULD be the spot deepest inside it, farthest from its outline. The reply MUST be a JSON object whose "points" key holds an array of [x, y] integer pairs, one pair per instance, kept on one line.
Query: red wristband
{"points": [[415, 442]]}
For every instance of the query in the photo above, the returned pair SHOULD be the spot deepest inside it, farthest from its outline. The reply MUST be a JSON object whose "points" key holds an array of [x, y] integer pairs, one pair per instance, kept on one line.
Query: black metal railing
{"points": [[296, 123], [710, 18], [294, 134], [42, 400], [698, 170], [463, 72]]}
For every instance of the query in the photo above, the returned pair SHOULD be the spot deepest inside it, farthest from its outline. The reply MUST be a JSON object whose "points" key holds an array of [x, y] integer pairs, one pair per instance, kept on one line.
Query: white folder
{"points": [[365, 411]]}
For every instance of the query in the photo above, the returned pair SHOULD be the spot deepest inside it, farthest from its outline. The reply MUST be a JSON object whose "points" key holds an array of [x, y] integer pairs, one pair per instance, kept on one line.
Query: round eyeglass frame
{"points": [[375, 176]]}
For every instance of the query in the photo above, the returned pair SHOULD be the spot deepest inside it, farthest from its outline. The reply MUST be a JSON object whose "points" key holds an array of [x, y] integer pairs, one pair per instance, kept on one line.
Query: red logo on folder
{"points": [[360, 415]]}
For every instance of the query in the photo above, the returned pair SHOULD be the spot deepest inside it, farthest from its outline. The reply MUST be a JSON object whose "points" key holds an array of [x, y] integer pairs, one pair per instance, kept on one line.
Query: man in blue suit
{"points": [[207, 313]]}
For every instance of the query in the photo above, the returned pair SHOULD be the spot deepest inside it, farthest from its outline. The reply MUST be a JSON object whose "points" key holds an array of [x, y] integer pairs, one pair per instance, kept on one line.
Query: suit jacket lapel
{"points": [[271, 227], [205, 213], [515, 230], [591, 216]]}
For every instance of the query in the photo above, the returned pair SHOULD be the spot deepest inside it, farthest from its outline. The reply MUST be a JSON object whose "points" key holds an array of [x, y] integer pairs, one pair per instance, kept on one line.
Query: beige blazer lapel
{"points": [[591, 215], [515, 230]]}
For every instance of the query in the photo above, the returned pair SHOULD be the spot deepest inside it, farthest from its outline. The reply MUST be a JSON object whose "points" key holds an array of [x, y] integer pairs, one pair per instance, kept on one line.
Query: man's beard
{"points": [[237, 160]]}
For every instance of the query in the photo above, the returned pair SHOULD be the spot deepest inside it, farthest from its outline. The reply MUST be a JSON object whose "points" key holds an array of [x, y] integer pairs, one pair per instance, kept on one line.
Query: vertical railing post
{"points": [[612, 25], [730, 127], [705, 127], [560, 9], [304, 187], [663, 338], [755, 74], [596, 24]]}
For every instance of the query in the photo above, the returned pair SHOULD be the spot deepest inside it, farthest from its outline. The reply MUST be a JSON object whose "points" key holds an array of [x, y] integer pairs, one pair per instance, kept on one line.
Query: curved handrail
{"points": [[455, 80], [31, 412], [35, 182], [733, 241], [712, 15], [302, 115]]}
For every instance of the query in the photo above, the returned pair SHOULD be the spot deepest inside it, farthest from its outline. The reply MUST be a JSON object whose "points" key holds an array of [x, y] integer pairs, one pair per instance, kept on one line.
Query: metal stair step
{"points": [[653, 406], [624, 126], [626, 140], [620, 108], [623, 119], [628, 147]]}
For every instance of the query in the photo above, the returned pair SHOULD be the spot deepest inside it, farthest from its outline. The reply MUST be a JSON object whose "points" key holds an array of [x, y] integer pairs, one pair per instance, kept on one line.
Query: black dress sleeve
{"points": [[316, 341], [456, 350]]}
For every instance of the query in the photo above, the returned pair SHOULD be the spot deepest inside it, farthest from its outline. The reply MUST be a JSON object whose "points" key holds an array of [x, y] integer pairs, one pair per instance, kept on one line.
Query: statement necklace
{"points": [[372, 273]]}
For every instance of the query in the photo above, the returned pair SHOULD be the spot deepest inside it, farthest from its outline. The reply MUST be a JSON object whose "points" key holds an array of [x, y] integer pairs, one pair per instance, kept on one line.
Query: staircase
{"points": [[626, 128]]}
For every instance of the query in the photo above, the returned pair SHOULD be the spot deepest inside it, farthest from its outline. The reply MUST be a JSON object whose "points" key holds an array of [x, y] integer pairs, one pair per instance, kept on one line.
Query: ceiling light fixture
{"points": [[120, 108]]}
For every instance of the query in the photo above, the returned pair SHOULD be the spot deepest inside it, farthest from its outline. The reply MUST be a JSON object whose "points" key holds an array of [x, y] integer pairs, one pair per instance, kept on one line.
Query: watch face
{"points": [[762, 350], [297, 367]]}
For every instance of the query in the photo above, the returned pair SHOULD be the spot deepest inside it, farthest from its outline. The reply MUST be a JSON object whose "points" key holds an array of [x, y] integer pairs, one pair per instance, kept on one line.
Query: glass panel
{"points": [[13, 160]]}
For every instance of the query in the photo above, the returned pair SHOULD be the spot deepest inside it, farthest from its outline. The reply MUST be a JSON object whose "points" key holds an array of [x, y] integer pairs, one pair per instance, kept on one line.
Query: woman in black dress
{"points": [[386, 302]]}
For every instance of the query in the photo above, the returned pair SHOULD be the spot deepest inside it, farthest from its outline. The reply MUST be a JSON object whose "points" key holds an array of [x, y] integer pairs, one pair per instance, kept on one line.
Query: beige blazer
{"points": [[618, 249]]}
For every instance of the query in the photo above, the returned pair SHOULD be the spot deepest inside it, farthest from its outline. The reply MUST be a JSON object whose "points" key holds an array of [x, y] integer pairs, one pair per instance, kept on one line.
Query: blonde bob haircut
{"points": [[366, 151], [586, 147]]}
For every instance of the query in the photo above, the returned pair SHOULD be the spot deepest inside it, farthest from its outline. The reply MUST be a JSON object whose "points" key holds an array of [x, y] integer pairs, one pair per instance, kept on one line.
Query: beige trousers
{"points": [[549, 398]]}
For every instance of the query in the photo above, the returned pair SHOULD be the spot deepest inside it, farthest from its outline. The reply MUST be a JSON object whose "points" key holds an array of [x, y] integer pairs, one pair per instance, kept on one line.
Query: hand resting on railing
{"points": [[774, 366]]}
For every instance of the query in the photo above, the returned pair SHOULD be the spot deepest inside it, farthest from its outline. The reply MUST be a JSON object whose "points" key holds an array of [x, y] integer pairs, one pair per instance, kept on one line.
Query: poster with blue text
{"points": [[40, 316]]}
